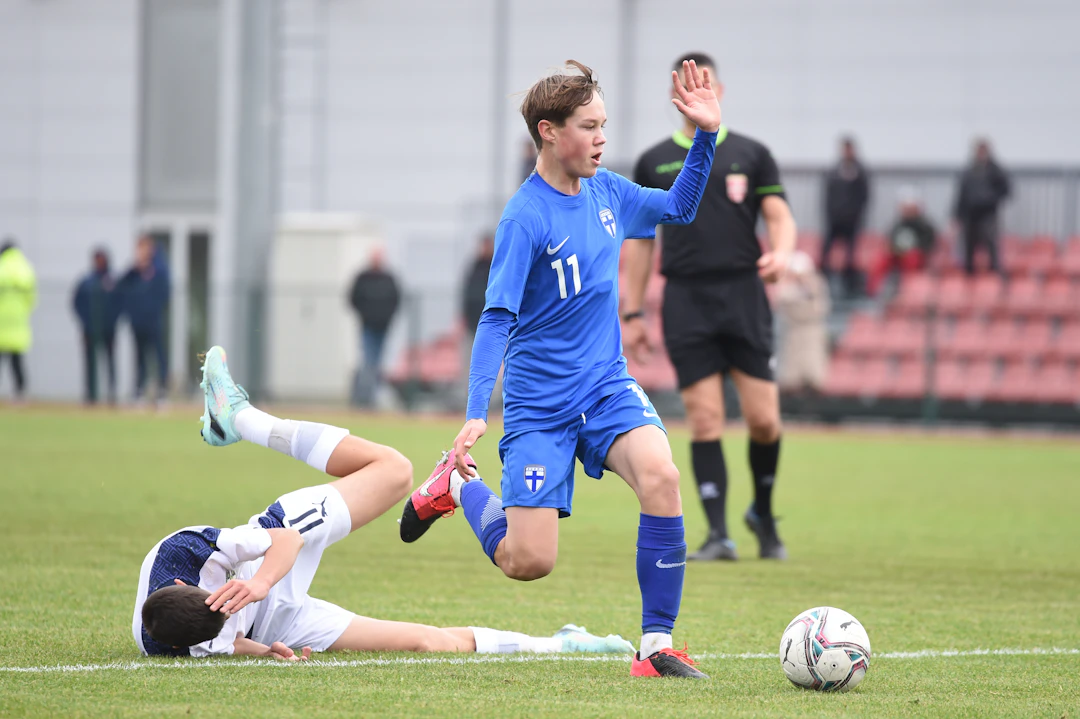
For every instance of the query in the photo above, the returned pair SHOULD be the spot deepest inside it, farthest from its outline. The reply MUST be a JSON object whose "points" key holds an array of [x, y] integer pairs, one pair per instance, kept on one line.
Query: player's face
{"points": [[580, 142]]}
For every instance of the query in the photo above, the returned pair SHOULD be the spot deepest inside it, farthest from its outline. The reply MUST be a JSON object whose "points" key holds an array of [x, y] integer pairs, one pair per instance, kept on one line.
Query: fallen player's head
{"points": [[565, 112], [179, 617]]}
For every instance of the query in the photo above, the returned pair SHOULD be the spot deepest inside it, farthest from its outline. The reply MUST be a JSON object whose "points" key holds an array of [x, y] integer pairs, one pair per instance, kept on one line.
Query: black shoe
{"points": [[715, 548], [764, 527], [666, 663]]}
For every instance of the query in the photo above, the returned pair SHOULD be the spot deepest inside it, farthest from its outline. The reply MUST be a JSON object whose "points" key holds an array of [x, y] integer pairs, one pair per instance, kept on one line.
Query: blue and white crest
{"points": [[534, 477], [607, 219]]}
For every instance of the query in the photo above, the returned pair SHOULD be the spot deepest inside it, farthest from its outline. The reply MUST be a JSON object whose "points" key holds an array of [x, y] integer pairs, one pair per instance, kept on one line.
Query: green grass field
{"points": [[934, 543]]}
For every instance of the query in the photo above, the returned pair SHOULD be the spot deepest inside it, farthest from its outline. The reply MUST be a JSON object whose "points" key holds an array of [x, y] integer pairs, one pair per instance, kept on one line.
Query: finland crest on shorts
{"points": [[607, 219], [534, 477]]}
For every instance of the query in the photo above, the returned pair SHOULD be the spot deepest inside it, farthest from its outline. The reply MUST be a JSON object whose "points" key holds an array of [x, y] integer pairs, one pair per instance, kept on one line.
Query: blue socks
{"points": [[483, 510], [661, 566]]}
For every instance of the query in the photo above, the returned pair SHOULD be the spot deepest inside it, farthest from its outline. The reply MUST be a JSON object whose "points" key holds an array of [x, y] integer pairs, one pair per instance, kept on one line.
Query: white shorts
{"points": [[288, 614]]}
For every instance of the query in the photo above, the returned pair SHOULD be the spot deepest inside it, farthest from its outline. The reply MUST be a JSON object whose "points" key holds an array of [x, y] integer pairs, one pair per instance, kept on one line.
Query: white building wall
{"points": [[68, 142]]}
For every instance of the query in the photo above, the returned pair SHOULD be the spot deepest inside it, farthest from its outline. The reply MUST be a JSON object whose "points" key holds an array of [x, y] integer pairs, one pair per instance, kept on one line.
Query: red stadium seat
{"points": [[1033, 339], [869, 250], [1000, 340], [903, 337], [954, 295], [971, 381], [1024, 298], [986, 293], [1060, 298], [863, 336], [1057, 383], [1067, 346], [916, 293], [853, 378], [968, 339], [1041, 256], [1018, 383], [1069, 263], [909, 381]]}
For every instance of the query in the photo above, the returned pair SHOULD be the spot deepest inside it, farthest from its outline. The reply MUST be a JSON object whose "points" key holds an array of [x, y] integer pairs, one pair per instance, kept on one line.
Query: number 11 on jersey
{"points": [[557, 265]]}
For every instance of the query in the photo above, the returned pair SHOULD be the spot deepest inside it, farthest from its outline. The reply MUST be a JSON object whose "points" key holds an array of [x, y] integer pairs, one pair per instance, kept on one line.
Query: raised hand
{"points": [[237, 594], [473, 430], [696, 99]]}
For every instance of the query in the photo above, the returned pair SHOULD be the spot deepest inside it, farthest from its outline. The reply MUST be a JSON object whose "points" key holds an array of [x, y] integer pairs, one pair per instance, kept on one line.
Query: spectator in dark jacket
{"points": [[375, 297], [911, 242], [98, 308], [144, 297], [983, 187], [847, 192]]}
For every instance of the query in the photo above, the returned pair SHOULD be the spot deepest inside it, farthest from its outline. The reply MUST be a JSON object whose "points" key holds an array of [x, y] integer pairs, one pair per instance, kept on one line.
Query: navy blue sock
{"points": [[483, 510], [661, 566]]}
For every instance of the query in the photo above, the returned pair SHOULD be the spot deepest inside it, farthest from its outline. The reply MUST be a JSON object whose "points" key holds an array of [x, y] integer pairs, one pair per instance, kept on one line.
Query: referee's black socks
{"points": [[764, 459], [710, 472]]}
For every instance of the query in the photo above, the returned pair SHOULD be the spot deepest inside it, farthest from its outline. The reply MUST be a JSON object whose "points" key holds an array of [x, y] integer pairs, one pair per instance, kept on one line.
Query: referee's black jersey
{"points": [[722, 238]]}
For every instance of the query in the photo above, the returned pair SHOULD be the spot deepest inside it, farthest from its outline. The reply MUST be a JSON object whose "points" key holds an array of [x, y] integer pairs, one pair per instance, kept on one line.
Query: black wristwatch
{"points": [[633, 315]]}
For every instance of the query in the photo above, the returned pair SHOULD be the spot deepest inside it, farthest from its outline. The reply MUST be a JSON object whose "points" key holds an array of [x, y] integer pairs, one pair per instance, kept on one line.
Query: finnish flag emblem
{"points": [[607, 219], [534, 477]]}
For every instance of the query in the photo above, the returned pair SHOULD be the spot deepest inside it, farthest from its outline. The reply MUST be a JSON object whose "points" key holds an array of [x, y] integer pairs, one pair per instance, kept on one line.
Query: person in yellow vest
{"points": [[18, 295]]}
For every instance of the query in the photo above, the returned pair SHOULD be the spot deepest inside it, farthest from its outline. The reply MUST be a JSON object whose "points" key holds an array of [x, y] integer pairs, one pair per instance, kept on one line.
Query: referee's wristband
{"points": [[633, 315]]}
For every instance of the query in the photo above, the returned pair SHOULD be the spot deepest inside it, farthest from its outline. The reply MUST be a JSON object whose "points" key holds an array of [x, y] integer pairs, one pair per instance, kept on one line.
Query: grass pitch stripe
{"points": [[498, 659]]}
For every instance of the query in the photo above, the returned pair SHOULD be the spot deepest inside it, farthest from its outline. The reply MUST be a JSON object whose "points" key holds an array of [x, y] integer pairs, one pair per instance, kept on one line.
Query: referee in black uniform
{"points": [[716, 316]]}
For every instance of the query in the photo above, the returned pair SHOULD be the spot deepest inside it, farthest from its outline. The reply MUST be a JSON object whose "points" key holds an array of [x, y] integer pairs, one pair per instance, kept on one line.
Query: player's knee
{"points": [[706, 421], [764, 427], [659, 482], [527, 567]]}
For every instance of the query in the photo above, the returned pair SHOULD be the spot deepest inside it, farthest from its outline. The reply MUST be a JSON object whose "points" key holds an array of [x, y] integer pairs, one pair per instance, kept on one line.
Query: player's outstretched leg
{"points": [[642, 457], [376, 635], [372, 477]]}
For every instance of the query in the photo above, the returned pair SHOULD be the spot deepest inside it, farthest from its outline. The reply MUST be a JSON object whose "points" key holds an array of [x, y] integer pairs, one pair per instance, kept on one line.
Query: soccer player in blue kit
{"points": [[552, 314]]}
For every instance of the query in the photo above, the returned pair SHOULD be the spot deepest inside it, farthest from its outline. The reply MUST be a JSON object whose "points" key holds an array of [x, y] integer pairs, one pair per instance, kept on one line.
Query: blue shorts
{"points": [[538, 465]]}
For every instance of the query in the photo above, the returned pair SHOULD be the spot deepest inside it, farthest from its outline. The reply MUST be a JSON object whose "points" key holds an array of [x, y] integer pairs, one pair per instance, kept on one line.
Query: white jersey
{"points": [[206, 557]]}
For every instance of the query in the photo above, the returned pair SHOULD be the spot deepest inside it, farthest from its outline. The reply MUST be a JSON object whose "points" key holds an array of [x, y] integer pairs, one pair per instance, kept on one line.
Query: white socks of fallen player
{"points": [[495, 641], [456, 483], [309, 442], [652, 642]]}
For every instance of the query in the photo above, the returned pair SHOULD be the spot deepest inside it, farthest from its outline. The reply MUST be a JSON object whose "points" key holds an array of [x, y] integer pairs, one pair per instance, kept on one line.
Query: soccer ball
{"points": [[825, 649]]}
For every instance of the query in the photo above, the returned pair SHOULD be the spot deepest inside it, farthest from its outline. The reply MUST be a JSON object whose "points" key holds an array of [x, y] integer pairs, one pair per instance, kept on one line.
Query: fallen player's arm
{"points": [[248, 647], [285, 545]]}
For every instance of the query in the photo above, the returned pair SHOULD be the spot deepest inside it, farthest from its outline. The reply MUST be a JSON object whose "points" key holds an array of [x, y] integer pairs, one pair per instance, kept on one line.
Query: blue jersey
{"points": [[556, 267]]}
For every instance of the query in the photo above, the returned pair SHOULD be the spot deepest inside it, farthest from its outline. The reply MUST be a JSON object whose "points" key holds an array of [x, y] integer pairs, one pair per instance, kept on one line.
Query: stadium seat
{"points": [[1033, 339], [1024, 298], [967, 339], [971, 381], [916, 293], [909, 382], [1069, 263], [1060, 298], [869, 250], [1040, 256], [954, 295], [1067, 346], [1000, 340], [863, 336], [903, 337], [986, 294], [849, 377], [656, 375], [1011, 250], [1018, 383], [1057, 383]]}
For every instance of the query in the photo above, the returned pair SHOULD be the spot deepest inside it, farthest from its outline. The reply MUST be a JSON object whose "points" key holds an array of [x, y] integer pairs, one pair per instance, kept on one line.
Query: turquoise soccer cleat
{"points": [[577, 639], [222, 399]]}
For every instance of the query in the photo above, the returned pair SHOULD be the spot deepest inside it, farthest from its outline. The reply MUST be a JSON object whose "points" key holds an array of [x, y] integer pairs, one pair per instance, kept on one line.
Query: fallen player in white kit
{"points": [[206, 591]]}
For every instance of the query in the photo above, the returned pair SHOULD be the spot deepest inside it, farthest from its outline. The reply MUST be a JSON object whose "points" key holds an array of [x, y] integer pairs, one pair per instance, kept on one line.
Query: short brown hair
{"points": [[555, 97], [178, 616]]}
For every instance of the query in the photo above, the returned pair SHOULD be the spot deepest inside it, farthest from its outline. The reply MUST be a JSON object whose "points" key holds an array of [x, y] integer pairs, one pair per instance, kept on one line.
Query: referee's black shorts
{"points": [[716, 323]]}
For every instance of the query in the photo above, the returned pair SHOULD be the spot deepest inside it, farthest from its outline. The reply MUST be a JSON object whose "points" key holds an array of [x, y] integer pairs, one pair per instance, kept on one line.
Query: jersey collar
{"points": [[685, 142]]}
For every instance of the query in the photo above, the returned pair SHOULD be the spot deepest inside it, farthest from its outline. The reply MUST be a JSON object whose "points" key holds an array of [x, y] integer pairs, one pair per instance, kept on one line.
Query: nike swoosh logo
{"points": [[650, 414], [660, 564], [552, 250], [424, 487]]}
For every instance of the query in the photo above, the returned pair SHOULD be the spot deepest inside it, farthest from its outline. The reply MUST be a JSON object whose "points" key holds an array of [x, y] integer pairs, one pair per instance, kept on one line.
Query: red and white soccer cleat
{"points": [[431, 500], [666, 663]]}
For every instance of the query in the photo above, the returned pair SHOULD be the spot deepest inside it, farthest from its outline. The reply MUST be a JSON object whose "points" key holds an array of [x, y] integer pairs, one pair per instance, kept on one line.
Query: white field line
{"points": [[497, 658]]}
